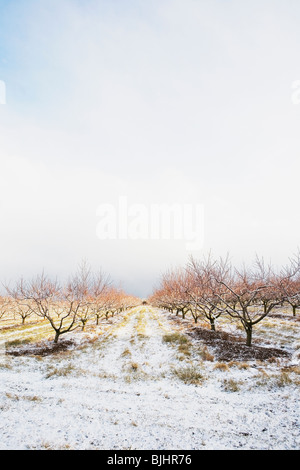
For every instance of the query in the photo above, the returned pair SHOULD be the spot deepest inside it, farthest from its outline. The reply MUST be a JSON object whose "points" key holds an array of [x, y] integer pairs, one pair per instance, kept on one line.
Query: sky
{"points": [[194, 103]]}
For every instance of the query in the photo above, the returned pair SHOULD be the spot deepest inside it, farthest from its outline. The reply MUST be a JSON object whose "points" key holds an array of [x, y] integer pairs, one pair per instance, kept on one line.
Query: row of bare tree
{"points": [[211, 287], [66, 306]]}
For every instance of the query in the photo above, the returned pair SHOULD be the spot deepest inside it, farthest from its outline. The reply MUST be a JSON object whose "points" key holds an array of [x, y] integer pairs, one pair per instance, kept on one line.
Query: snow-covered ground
{"points": [[124, 390]]}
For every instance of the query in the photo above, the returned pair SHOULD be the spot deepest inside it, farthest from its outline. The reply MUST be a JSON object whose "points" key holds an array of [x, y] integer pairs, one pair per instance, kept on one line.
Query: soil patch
{"points": [[227, 347], [283, 316], [41, 349]]}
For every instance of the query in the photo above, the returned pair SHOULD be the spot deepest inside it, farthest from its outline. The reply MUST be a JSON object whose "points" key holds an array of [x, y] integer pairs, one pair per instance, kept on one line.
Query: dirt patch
{"points": [[284, 316], [227, 347], [41, 349]]}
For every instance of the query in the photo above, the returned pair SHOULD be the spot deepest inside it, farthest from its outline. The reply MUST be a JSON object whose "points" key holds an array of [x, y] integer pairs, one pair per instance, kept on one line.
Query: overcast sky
{"points": [[161, 101]]}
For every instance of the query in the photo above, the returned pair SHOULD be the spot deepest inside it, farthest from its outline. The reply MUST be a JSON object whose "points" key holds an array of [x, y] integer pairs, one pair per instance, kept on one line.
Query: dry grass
{"points": [[141, 325], [126, 353], [239, 365], [189, 375], [18, 342], [231, 385], [175, 338], [221, 366], [15, 397], [205, 354], [279, 379], [60, 371], [134, 366]]}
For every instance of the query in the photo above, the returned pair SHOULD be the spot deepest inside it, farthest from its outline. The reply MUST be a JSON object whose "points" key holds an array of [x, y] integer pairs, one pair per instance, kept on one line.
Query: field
{"points": [[146, 379]]}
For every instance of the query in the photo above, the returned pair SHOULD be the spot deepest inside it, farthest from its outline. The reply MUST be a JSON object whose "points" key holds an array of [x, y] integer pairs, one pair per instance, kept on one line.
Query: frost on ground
{"points": [[142, 383]]}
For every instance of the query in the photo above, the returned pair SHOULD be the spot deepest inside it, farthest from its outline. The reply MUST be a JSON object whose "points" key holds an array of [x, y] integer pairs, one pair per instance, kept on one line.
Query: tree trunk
{"points": [[265, 307], [249, 335], [57, 334], [212, 324]]}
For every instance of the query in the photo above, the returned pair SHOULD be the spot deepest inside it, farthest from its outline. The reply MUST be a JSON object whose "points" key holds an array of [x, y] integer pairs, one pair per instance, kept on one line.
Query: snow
{"points": [[119, 391]]}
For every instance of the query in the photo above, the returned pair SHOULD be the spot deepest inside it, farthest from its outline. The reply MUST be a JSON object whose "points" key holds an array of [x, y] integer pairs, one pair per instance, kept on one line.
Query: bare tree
{"points": [[19, 304], [69, 305], [242, 297], [212, 287], [172, 293], [5, 306], [290, 282], [48, 300], [78, 294], [22, 309], [203, 287], [112, 301], [102, 283]]}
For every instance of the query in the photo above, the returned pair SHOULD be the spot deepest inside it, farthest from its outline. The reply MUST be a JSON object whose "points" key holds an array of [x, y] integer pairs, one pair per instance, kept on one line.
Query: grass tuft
{"points": [[189, 375], [175, 338]]}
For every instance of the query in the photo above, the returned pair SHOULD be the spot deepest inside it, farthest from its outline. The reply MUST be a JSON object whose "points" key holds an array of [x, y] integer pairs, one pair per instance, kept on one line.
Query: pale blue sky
{"points": [[161, 101]]}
